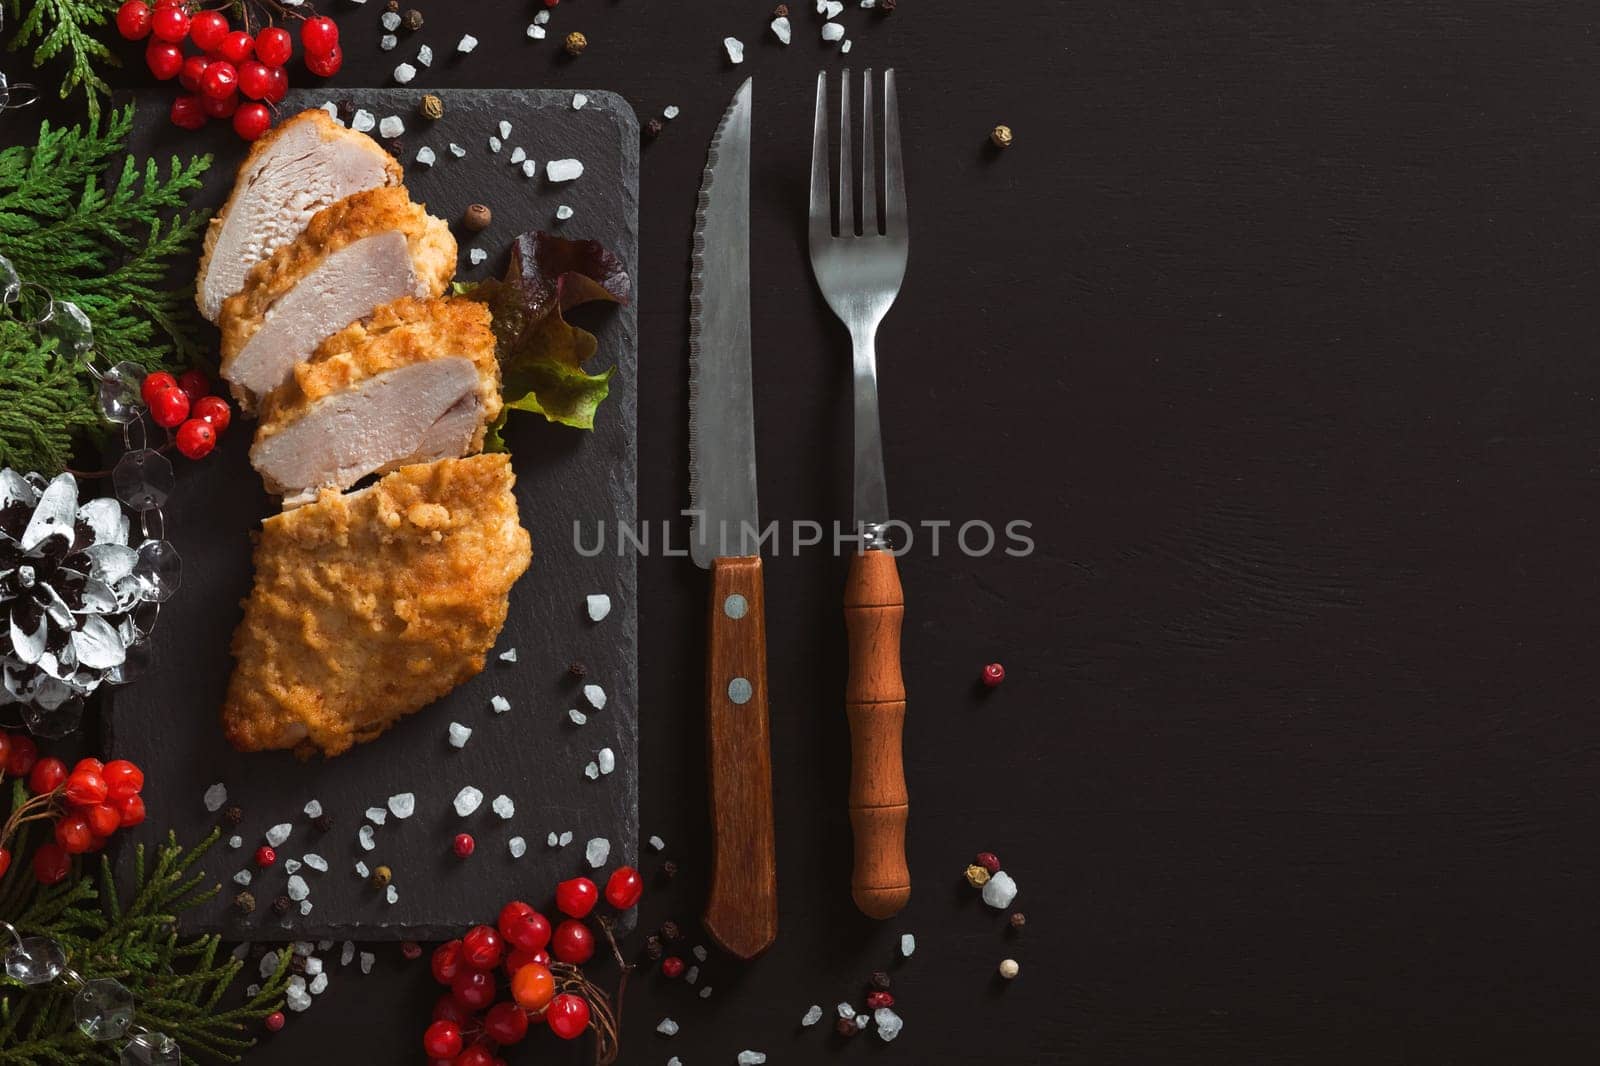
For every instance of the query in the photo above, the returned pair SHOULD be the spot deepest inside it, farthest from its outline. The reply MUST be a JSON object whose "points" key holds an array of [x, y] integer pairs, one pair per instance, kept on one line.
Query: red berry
{"points": [[482, 947], [220, 81], [24, 753], [879, 999], [446, 962], [91, 764], [476, 1055], [194, 383], [164, 59], [523, 926], [325, 66], [672, 967], [237, 46], [573, 942], [189, 115], [251, 121], [170, 24], [207, 29], [989, 861], [221, 106], [442, 1040], [85, 788], [196, 438], [993, 674], [506, 1023], [170, 406], [46, 775], [319, 36], [275, 1021], [520, 957], [265, 856], [51, 863], [448, 1010], [193, 69], [5, 749], [123, 778], [255, 79], [277, 85], [130, 810], [133, 20], [274, 46], [104, 819], [567, 1016], [624, 888], [577, 897], [473, 989], [74, 834], [5, 861], [463, 845]]}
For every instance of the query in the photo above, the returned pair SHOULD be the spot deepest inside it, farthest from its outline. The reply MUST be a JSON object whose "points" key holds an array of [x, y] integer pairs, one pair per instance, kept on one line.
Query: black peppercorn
{"points": [[411, 20], [880, 981], [323, 822], [652, 946], [781, 11], [845, 1027], [670, 931], [297, 964], [477, 217], [1018, 920], [578, 670], [244, 903], [669, 869], [392, 5], [395, 146], [347, 110], [233, 814], [575, 43], [280, 906], [653, 128], [886, 6]]}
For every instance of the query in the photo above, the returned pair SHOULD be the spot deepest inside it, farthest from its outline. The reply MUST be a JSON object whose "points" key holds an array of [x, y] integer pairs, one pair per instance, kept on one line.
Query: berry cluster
{"points": [[236, 74], [186, 403], [88, 803], [469, 1026]]}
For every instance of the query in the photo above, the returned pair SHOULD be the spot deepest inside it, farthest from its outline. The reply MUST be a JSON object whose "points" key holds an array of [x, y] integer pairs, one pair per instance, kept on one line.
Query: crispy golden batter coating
{"points": [[371, 605], [433, 254], [398, 334]]}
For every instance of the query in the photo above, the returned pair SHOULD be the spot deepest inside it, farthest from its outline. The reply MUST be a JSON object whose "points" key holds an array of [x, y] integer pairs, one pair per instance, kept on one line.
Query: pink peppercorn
{"points": [[993, 674]]}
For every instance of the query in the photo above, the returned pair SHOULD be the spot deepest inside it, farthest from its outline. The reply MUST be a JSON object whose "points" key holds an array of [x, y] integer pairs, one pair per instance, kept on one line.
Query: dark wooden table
{"points": [[1277, 324]]}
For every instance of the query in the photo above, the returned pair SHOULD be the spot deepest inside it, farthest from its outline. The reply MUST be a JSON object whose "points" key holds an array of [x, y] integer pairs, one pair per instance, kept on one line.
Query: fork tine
{"points": [[869, 160], [821, 207], [847, 176], [894, 177]]}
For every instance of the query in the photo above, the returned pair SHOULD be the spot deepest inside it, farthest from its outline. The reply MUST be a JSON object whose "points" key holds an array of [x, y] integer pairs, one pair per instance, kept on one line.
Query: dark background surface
{"points": [[1276, 322]]}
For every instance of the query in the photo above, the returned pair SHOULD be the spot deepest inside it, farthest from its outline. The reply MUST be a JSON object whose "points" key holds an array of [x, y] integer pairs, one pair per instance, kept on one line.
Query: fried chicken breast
{"points": [[370, 605]]}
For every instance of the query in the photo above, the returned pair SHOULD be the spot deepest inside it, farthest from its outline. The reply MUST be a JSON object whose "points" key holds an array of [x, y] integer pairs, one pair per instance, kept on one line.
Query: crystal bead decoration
{"points": [[120, 401], [66, 322], [55, 722], [103, 1009], [151, 1049], [10, 283], [159, 571], [143, 479], [35, 960]]}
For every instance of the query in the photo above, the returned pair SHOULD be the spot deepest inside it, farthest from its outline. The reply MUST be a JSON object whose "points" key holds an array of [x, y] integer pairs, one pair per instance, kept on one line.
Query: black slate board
{"points": [[167, 722]]}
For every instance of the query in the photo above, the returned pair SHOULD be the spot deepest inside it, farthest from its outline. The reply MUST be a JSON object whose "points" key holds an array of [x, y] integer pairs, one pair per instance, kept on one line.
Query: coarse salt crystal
{"points": [[700, 952], [517, 846], [392, 894], [291, 866], [236, 841], [596, 696], [509, 655], [576, 716], [599, 605], [908, 945], [313, 809], [477, 256], [388, 42], [592, 770], [318, 985], [390, 20], [846, 1010], [367, 959], [297, 889], [658, 844], [812, 1016], [297, 999], [316, 862], [457, 151], [551, 840], [391, 126], [313, 966], [459, 734], [861, 1021], [500, 704], [425, 56], [467, 43], [529, 168], [505, 129], [832, 31], [404, 73], [363, 120], [541, 18], [597, 851], [324, 945], [751, 1058], [607, 760], [735, 49], [494, 144], [889, 1023], [243, 877], [362, 871], [249, 990], [563, 169], [868, 5], [269, 965], [782, 30], [377, 815], [403, 805], [503, 806], [301, 947], [347, 952], [333, 111], [692, 974], [215, 797], [563, 212], [1000, 890], [832, 8], [305, 907], [535, 31], [565, 839], [667, 1027], [467, 801], [705, 993], [845, 47], [579, 101], [671, 111], [518, 154], [425, 156], [364, 835], [279, 833]]}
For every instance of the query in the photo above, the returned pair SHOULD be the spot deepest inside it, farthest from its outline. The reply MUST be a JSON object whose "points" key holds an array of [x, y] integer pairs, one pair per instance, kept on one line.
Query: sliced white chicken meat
{"points": [[307, 163], [416, 382], [355, 256]]}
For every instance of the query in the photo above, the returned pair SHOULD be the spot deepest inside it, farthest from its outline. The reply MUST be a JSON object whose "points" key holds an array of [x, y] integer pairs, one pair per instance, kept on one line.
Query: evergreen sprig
{"points": [[131, 936], [105, 236], [68, 28]]}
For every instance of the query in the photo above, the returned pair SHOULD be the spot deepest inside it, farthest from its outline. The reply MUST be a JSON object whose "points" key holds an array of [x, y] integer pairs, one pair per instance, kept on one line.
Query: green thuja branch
{"points": [[129, 933], [87, 223], [68, 28]]}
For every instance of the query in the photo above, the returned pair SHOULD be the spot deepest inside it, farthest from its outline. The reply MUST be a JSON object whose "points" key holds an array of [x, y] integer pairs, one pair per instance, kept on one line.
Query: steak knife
{"points": [[741, 912]]}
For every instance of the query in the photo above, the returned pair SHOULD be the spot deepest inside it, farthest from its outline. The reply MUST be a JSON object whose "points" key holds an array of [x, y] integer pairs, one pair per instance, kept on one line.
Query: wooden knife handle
{"points": [[875, 700], [742, 911]]}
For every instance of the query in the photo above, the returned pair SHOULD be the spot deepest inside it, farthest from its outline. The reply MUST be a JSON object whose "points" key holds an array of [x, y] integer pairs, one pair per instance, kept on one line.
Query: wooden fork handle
{"points": [[742, 910], [875, 701]]}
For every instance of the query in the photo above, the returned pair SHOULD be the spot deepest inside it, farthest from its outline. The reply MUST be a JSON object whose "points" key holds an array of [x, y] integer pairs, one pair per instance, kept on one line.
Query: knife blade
{"points": [[741, 912]]}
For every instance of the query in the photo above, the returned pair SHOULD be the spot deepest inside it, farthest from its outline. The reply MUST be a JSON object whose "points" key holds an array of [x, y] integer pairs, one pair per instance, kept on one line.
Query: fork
{"points": [[859, 271]]}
